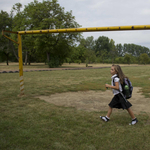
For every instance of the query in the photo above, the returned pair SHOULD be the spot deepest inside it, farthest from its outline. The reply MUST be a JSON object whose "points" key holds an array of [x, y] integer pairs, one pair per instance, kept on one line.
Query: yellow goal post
{"points": [[91, 29]]}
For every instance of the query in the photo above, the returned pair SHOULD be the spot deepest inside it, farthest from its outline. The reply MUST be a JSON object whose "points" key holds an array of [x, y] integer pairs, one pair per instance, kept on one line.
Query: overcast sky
{"points": [[100, 13]]}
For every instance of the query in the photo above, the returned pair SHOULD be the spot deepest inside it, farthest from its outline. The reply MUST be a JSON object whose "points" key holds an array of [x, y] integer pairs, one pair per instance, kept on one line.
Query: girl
{"points": [[118, 101]]}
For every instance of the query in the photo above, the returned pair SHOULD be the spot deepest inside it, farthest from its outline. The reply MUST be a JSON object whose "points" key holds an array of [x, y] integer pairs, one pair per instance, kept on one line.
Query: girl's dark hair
{"points": [[119, 73]]}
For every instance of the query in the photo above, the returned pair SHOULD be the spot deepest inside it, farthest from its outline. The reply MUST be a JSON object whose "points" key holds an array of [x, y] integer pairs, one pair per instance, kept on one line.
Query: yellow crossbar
{"points": [[112, 28]]}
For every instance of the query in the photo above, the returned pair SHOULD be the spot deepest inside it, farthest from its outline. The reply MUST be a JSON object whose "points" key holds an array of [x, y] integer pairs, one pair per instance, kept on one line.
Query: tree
{"points": [[146, 50], [103, 55], [119, 49], [77, 54], [144, 58], [5, 44], [127, 58], [17, 22], [88, 47], [89, 43], [135, 50], [89, 56], [113, 50], [102, 48], [49, 15], [102, 43], [119, 60]]}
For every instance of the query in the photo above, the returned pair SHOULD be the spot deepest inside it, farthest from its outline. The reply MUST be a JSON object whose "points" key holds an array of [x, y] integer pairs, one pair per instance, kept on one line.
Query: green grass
{"points": [[15, 66], [27, 123]]}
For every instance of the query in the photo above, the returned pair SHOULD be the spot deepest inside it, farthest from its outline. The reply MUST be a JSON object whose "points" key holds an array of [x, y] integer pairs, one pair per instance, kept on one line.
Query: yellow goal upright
{"points": [[48, 31]]}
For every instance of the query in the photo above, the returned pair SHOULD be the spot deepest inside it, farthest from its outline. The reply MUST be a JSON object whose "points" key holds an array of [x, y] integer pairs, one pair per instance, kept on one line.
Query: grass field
{"points": [[28, 123], [15, 66]]}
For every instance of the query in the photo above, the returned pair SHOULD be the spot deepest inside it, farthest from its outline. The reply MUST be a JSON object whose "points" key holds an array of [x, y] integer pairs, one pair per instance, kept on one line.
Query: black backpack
{"points": [[127, 87]]}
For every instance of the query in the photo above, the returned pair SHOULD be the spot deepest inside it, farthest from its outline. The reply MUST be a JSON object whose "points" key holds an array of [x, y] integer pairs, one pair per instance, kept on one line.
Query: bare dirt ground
{"points": [[96, 100]]}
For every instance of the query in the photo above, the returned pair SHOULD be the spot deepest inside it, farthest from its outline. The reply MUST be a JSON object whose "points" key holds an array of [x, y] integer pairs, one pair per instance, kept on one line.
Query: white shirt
{"points": [[115, 92]]}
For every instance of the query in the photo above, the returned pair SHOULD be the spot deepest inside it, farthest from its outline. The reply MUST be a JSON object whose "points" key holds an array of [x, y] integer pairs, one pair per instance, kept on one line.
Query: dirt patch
{"points": [[96, 100]]}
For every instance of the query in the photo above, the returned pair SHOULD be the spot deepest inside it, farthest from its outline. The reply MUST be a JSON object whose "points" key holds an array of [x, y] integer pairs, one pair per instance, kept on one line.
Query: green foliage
{"points": [[2, 56], [84, 52], [39, 16], [89, 43], [6, 46], [135, 50], [98, 60], [144, 58], [102, 43], [107, 52], [78, 61], [50, 15], [54, 62], [90, 56], [119, 49], [76, 54], [119, 60], [103, 55], [127, 58], [113, 50]]}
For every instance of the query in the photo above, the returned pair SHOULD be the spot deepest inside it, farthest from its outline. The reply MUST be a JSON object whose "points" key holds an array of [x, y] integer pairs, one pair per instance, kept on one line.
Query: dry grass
{"points": [[93, 65], [15, 66], [35, 66], [28, 123]]}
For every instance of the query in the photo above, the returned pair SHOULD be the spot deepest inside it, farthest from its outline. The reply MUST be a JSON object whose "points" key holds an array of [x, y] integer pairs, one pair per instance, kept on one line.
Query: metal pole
{"points": [[20, 65], [8, 37], [93, 29]]}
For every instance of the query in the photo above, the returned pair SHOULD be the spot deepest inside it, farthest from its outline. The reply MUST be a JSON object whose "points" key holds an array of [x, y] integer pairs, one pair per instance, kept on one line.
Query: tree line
{"points": [[104, 50], [57, 48]]}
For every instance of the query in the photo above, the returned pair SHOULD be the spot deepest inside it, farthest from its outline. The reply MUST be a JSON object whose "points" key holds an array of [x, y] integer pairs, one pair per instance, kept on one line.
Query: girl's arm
{"points": [[116, 87]]}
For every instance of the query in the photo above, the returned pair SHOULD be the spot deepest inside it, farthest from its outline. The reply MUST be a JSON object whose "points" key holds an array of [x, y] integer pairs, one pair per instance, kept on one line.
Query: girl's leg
{"points": [[131, 113], [107, 117], [134, 119], [109, 112]]}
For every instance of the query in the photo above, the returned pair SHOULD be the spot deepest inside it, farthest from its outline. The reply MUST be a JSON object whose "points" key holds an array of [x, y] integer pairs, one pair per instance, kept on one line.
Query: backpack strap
{"points": [[114, 83], [114, 80], [119, 89]]}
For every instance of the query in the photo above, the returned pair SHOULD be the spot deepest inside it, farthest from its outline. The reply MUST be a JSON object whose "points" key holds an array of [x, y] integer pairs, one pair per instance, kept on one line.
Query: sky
{"points": [[103, 13]]}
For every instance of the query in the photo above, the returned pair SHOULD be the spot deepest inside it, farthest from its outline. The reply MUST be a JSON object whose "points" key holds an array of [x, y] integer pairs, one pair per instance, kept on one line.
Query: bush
{"points": [[68, 60], [98, 60], [77, 61], [54, 62], [127, 58], [109, 61], [144, 59], [119, 60]]}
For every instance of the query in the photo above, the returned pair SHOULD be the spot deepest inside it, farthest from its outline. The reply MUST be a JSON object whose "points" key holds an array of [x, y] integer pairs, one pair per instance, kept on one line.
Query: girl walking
{"points": [[118, 100]]}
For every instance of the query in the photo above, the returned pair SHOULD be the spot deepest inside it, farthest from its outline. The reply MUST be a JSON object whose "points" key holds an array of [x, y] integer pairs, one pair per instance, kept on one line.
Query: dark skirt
{"points": [[119, 102]]}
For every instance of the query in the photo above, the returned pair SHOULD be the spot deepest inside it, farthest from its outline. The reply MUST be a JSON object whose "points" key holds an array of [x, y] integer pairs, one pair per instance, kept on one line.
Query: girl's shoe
{"points": [[134, 121], [104, 118]]}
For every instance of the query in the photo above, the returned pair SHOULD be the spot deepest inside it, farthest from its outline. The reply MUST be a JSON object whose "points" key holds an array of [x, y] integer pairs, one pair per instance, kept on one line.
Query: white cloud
{"points": [[145, 12]]}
